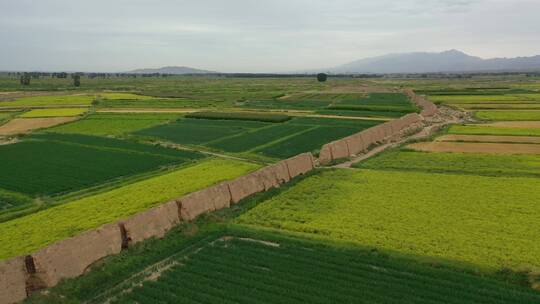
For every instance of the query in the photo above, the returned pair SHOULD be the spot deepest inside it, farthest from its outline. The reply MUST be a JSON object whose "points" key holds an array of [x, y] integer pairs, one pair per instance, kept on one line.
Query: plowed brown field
{"points": [[24, 125], [492, 148]]}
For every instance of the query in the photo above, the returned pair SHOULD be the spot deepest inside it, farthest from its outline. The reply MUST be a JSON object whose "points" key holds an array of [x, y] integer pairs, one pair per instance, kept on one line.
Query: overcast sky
{"points": [[254, 35]]}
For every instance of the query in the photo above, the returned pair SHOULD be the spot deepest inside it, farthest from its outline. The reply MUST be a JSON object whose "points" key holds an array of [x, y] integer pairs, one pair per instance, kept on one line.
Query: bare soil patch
{"points": [[490, 148], [25, 125], [489, 138], [514, 124]]}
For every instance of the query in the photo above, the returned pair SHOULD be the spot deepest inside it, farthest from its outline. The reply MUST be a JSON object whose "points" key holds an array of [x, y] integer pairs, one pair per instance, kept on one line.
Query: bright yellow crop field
{"points": [[29, 233], [488, 222]]}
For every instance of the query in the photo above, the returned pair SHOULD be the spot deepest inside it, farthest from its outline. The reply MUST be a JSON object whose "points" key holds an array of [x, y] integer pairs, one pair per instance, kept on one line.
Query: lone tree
{"points": [[25, 79], [322, 77], [77, 80]]}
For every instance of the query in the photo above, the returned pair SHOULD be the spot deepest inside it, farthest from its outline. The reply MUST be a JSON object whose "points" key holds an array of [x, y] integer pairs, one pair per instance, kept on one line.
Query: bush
{"points": [[322, 77]]}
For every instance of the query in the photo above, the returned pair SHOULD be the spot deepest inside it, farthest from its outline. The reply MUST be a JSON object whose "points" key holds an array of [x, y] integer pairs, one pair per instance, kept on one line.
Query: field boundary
{"points": [[71, 257]]}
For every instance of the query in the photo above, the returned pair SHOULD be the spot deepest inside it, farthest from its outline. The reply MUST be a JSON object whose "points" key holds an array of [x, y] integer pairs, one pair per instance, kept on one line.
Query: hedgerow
{"points": [[250, 116]]}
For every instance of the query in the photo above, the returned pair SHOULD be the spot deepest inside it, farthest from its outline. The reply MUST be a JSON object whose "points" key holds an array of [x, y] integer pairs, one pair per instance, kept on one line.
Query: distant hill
{"points": [[173, 70], [447, 61]]}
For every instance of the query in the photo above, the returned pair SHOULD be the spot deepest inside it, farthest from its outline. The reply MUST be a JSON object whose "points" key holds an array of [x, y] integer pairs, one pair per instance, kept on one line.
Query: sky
{"points": [[254, 35]]}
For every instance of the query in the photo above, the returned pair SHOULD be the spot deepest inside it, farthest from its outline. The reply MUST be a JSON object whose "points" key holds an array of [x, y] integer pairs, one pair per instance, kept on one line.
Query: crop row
{"points": [[62, 163], [243, 271], [466, 163], [302, 134], [492, 130], [106, 124], [470, 219]]}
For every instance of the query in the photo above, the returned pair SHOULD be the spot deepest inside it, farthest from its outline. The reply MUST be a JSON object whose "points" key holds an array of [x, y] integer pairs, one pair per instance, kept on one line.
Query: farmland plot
{"points": [[25, 125], [106, 124], [468, 147], [255, 269], [484, 129], [37, 167], [262, 136], [62, 112], [275, 140], [470, 163], [386, 102], [26, 234], [488, 222], [525, 115], [199, 131], [49, 101]]}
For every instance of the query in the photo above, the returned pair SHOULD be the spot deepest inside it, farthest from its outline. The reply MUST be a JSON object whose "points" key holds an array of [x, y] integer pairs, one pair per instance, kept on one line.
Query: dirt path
{"points": [[446, 116], [220, 155]]}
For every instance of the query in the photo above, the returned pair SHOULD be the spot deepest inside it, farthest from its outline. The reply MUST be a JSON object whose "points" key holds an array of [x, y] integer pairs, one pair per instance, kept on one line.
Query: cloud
{"points": [[254, 35]]}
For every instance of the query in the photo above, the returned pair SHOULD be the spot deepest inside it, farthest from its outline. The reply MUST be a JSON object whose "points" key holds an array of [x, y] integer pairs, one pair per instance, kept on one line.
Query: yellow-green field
{"points": [[27, 234], [62, 112], [486, 223], [49, 101]]}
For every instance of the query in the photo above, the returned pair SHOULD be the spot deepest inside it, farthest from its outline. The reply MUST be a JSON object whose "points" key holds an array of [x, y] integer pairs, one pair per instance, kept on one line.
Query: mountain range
{"points": [[173, 70], [452, 61]]}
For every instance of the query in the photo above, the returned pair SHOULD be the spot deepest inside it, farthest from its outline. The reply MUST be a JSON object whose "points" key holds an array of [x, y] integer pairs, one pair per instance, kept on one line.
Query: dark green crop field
{"points": [[311, 140], [275, 140], [114, 124], [241, 266], [248, 140], [46, 167], [199, 131]]}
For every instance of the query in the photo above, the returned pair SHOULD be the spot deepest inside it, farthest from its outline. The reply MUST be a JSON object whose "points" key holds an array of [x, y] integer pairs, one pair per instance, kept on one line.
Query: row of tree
{"points": [[26, 77]]}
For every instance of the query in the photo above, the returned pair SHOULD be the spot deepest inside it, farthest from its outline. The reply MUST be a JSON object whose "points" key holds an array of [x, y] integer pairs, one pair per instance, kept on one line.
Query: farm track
{"points": [[446, 116], [219, 155]]}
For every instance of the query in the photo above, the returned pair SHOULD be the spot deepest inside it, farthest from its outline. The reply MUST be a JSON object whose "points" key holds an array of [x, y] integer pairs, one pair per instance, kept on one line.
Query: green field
{"points": [[378, 102], [49, 166], [294, 271], [371, 105], [50, 100], [499, 106], [124, 96], [113, 124], [262, 136], [275, 140], [199, 131], [465, 163], [311, 140], [472, 221], [489, 130], [26, 234], [63, 112], [508, 115], [457, 99]]}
